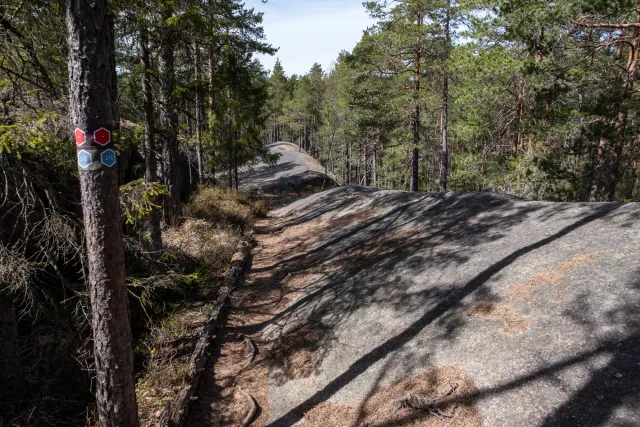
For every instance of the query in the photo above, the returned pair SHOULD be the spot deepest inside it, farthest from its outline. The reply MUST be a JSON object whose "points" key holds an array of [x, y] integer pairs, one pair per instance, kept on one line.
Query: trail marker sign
{"points": [[108, 158], [81, 138], [84, 159], [102, 136]]}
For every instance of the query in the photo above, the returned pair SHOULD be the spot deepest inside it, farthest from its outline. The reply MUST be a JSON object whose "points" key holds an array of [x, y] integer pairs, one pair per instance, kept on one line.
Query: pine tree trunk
{"points": [[375, 166], [364, 164], [211, 56], [444, 152], [348, 163], [91, 110], [613, 172], [169, 122], [199, 151], [235, 172], [151, 171], [415, 156], [517, 140]]}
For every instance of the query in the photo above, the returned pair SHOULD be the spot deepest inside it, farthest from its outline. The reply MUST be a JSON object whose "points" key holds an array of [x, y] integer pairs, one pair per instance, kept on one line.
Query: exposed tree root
{"points": [[254, 351], [253, 408], [415, 403]]}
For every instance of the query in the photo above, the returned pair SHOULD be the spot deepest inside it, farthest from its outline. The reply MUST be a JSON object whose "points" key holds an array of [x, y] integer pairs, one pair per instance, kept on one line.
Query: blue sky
{"points": [[308, 31]]}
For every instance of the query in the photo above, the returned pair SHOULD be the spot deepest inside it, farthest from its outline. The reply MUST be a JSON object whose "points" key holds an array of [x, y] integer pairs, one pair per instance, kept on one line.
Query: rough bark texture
{"points": [[415, 156], [444, 125], [517, 139], [10, 371], [169, 122], [151, 172], [90, 103], [199, 115]]}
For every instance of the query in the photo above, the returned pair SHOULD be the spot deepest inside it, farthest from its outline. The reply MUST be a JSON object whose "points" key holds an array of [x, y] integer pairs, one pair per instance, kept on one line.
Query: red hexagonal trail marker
{"points": [[80, 137], [102, 136]]}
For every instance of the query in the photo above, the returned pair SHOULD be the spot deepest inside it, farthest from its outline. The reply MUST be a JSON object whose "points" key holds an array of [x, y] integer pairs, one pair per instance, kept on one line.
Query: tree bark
{"points": [[613, 172], [517, 140], [199, 109], [169, 122], [151, 160], [91, 106], [415, 155], [365, 160], [444, 123], [348, 163]]}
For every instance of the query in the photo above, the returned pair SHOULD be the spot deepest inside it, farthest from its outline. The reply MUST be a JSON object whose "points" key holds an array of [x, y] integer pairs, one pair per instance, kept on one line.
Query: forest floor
{"points": [[181, 302], [379, 308]]}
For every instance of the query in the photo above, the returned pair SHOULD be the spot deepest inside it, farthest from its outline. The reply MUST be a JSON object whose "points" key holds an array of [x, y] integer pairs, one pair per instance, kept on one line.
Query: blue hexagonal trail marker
{"points": [[84, 159], [108, 158]]}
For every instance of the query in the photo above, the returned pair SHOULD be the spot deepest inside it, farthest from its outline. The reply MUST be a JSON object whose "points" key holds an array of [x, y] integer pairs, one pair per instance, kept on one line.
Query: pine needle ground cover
{"points": [[209, 235]]}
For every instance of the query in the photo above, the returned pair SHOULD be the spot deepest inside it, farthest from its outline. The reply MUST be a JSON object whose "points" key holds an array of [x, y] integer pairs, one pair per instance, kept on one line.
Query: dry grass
{"points": [[287, 148], [211, 244], [511, 322], [226, 206], [446, 388], [293, 354], [555, 277]]}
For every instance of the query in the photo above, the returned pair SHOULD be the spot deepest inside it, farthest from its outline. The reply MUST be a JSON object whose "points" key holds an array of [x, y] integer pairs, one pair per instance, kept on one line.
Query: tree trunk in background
{"points": [[199, 152], [91, 106], [211, 71], [348, 163], [10, 370], [613, 172], [375, 166], [415, 155], [365, 177], [235, 169], [444, 123], [629, 191], [151, 160], [517, 140], [169, 122], [597, 178]]}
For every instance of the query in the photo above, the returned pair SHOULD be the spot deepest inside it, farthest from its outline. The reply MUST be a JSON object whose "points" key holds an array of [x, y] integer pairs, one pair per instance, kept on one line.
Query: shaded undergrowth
{"points": [[42, 272]]}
